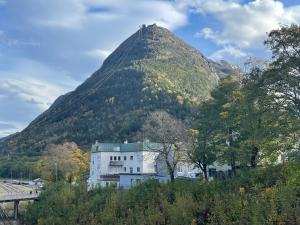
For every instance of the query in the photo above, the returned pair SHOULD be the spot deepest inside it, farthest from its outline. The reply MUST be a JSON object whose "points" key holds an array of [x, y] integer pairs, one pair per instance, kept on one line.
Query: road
{"points": [[15, 189]]}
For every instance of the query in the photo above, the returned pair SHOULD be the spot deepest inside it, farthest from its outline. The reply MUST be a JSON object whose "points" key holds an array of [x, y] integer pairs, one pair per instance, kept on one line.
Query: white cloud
{"points": [[99, 53], [243, 24], [64, 14], [67, 30], [8, 41], [76, 14], [35, 83], [32, 91], [228, 52], [10, 127], [27, 90]]}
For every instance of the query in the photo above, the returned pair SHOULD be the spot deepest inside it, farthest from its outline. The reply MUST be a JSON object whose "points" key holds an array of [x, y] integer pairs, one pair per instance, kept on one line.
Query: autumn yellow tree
{"points": [[65, 161]]}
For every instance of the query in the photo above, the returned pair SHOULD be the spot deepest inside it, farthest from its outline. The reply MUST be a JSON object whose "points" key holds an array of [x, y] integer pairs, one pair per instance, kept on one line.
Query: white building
{"points": [[128, 163]]}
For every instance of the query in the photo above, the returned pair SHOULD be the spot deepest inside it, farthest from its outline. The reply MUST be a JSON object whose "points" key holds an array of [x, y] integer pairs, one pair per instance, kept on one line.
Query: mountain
{"points": [[224, 69], [153, 69]]}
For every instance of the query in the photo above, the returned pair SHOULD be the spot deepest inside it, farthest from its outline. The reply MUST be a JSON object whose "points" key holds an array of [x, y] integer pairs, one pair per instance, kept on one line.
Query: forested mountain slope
{"points": [[152, 69]]}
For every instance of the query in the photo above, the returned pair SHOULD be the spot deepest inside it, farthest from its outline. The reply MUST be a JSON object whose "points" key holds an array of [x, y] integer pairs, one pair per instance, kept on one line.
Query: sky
{"points": [[47, 48]]}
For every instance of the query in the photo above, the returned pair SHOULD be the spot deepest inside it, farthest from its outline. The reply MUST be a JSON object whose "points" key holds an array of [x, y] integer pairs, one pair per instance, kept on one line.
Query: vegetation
{"points": [[252, 125], [18, 167], [161, 127], [253, 122], [265, 196], [64, 161]]}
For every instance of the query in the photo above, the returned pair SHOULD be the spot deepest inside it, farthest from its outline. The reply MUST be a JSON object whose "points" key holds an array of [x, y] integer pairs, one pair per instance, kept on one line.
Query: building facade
{"points": [[126, 164]]}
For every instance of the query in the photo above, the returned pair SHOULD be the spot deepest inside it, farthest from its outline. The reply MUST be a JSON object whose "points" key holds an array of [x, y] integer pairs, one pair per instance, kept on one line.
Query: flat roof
{"points": [[126, 147]]}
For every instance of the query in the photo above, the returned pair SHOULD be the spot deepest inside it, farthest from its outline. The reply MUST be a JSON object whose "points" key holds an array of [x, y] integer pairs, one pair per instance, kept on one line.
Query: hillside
{"points": [[150, 70]]}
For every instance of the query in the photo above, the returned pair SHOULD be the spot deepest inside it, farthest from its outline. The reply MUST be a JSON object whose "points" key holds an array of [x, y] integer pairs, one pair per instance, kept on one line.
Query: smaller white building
{"points": [[126, 164]]}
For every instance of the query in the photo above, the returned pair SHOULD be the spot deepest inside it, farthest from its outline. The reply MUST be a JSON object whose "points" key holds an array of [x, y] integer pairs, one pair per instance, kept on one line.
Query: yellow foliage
{"points": [[67, 158], [242, 190], [269, 191], [227, 105], [224, 115], [194, 133], [194, 222], [180, 99], [82, 161]]}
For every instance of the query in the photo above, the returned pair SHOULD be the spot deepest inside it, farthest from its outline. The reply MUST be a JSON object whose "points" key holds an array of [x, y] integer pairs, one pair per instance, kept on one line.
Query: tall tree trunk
{"points": [[233, 164], [171, 171], [172, 177], [205, 172], [254, 153]]}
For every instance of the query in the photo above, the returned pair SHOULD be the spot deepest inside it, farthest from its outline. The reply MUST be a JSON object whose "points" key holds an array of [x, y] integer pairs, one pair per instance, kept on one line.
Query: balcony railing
{"points": [[116, 163]]}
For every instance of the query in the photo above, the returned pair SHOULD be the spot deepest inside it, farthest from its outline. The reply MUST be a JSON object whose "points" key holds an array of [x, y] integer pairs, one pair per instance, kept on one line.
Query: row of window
{"points": [[115, 158], [138, 169]]}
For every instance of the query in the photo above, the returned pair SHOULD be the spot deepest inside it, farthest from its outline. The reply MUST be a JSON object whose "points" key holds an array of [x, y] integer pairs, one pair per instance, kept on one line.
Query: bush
{"points": [[264, 196]]}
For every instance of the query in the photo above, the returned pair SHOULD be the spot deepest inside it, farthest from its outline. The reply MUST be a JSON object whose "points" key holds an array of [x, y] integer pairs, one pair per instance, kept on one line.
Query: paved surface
{"points": [[11, 192]]}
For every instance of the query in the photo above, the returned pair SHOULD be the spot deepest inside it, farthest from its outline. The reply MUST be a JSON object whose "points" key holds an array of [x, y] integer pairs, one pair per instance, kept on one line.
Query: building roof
{"points": [[126, 147]]}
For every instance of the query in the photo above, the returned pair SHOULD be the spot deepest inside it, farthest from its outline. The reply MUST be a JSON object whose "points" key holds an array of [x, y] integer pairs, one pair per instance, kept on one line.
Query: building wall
{"points": [[140, 162], [128, 180], [95, 167], [148, 163]]}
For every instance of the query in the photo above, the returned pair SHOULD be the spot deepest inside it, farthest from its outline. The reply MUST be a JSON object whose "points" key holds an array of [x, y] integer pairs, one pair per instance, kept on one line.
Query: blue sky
{"points": [[47, 48]]}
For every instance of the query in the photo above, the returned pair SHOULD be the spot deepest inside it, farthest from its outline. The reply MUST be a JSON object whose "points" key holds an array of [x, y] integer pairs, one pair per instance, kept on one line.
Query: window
{"points": [[124, 169], [131, 157], [179, 169], [125, 158], [119, 158], [115, 157], [212, 172], [111, 158], [131, 170], [138, 169]]}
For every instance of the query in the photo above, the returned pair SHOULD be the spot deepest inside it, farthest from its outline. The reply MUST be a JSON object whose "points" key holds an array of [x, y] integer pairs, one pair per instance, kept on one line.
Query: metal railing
{"points": [[4, 218]]}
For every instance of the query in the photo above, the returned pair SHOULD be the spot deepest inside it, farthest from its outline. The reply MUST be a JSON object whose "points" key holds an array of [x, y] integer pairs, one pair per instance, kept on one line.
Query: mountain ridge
{"points": [[162, 70]]}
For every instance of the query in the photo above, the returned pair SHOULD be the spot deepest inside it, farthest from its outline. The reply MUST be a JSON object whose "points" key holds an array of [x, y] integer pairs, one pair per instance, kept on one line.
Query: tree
{"points": [[203, 150], [226, 97], [283, 78], [172, 134], [63, 161], [259, 118]]}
